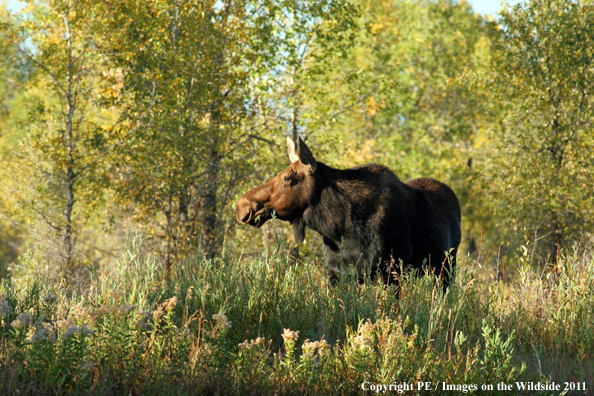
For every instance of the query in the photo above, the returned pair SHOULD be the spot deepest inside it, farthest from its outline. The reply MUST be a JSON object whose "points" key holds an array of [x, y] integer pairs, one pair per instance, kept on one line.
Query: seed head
{"points": [[85, 331]]}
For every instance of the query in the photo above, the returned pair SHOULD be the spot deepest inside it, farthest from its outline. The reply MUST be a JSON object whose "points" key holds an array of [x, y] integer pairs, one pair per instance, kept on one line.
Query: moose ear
{"points": [[292, 150], [305, 155]]}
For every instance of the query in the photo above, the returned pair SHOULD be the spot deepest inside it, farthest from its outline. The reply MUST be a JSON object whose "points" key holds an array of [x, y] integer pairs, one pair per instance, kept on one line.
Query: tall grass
{"points": [[231, 325]]}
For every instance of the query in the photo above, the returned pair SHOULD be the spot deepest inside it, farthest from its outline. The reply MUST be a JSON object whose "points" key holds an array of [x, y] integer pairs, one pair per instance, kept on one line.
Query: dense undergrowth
{"points": [[260, 326]]}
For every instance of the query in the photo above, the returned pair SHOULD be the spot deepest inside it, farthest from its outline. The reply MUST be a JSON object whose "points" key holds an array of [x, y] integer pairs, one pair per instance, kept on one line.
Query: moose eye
{"points": [[287, 179]]}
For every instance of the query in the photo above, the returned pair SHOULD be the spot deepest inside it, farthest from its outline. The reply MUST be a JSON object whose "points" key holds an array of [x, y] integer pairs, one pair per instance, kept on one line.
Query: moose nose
{"points": [[246, 218], [244, 213]]}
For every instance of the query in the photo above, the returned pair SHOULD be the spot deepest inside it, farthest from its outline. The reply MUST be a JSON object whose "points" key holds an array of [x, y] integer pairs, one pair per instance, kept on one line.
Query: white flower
{"points": [[63, 323], [85, 331], [323, 347], [22, 321], [41, 331], [310, 346], [79, 312], [289, 335], [246, 345], [367, 328], [70, 331], [222, 321], [362, 341]]}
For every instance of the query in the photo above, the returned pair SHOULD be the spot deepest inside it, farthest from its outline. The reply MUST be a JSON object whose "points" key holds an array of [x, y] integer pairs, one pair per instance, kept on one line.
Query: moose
{"points": [[365, 215]]}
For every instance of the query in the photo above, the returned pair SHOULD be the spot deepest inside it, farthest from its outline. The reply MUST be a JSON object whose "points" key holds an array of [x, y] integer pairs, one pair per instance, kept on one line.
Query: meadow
{"points": [[246, 325]]}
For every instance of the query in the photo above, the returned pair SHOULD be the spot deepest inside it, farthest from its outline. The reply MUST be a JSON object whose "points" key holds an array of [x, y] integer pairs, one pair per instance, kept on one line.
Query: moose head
{"points": [[287, 195]]}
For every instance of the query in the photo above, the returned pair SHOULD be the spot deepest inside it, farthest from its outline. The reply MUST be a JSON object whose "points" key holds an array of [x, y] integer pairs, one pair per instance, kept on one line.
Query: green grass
{"points": [[131, 332]]}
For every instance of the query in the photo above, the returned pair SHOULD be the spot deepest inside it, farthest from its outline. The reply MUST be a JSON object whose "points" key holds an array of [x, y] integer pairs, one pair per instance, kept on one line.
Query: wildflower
{"points": [[84, 331], [22, 321], [104, 310], [310, 346], [289, 335], [367, 328], [323, 347], [170, 304], [79, 312], [5, 308], [41, 331], [157, 313], [362, 341], [71, 330], [246, 345], [222, 321], [63, 323]]}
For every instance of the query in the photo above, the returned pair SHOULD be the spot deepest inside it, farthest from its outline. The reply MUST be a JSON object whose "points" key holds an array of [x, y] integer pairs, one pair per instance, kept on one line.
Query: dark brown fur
{"points": [[366, 215]]}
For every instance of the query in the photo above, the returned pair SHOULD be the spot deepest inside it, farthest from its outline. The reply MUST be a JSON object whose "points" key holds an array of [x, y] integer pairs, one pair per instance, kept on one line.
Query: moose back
{"points": [[366, 215]]}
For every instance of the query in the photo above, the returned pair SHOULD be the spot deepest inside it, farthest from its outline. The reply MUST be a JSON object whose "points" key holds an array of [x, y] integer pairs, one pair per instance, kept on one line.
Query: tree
{"points": [[13, 74], [540, 166], [56, 177], [210, 73]]}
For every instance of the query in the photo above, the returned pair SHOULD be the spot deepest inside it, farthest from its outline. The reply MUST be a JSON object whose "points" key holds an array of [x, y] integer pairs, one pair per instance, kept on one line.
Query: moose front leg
{"points": [[299, 236], [333, 261], [338, 258]]}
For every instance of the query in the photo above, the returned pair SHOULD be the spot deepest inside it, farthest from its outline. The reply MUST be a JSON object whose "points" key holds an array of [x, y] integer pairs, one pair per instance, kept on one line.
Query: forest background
{"points": [[124, 118]]}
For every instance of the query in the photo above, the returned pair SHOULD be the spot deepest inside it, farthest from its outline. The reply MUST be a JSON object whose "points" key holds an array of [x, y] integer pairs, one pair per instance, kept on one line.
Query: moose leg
{"points": [[333, 261]]}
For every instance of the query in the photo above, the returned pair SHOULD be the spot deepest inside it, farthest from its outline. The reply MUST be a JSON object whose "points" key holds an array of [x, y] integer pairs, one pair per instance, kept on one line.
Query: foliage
{"points": [[54, 176], [539, 167], [237, 326]]}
